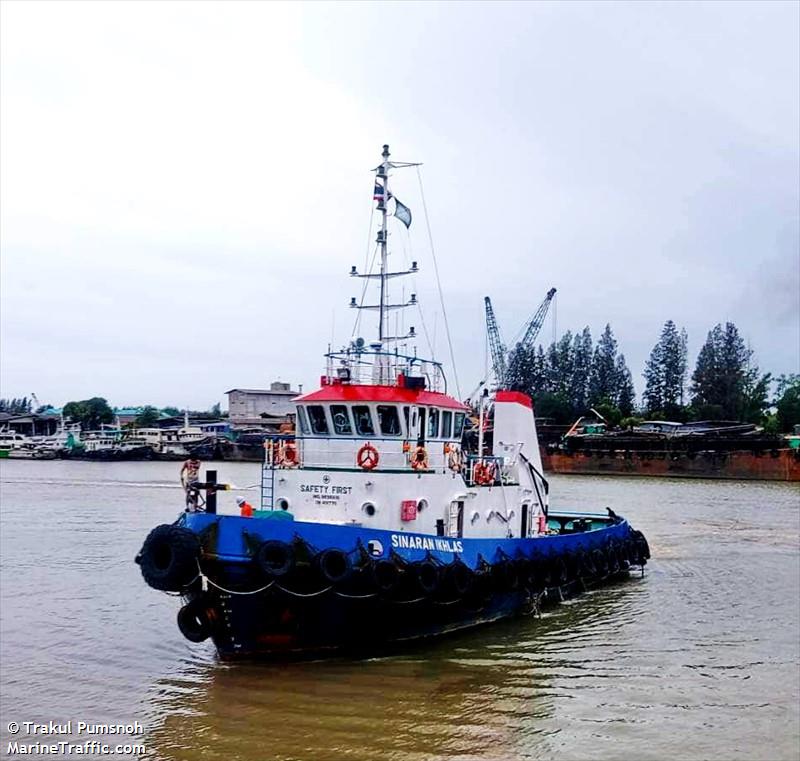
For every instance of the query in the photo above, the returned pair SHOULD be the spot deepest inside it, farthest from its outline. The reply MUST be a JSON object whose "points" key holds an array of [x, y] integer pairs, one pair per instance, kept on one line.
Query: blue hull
{"points": [[379, 588]]}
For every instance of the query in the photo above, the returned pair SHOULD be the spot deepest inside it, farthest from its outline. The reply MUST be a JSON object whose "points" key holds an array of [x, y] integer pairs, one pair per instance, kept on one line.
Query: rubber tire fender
{"points": [[386, 575], [599, 560], [193, 620], [275, 558], [459, 578], [587, 564], [334, 565], [427, 576], [641, 543], [168, 558], [558, 571]]}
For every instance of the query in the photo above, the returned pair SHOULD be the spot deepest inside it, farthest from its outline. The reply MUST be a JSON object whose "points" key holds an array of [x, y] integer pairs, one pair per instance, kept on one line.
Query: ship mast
{"points": [[383, 307], [383, 178]]}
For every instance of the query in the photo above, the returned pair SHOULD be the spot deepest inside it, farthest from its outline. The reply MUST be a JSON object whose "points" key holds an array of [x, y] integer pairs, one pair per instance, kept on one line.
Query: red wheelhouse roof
{"points": [[347, 392]]}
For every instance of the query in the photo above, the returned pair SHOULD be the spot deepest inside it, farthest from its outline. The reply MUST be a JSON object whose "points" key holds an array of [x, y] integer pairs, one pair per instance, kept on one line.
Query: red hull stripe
{"points": [[514, 396], [391, 394]]}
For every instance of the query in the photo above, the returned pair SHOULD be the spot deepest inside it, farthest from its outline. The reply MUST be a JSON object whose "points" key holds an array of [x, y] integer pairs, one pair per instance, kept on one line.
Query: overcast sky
{"points": [[184, 186]]}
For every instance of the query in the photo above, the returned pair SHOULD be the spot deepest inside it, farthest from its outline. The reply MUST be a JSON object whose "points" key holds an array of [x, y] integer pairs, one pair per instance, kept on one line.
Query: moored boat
{"points": [[376, 526]]}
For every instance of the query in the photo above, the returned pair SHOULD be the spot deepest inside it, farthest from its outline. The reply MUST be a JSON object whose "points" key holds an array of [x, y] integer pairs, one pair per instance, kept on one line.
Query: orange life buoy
{"points": [[368, 457], [483, 473], [419, 461], [288, 455]]}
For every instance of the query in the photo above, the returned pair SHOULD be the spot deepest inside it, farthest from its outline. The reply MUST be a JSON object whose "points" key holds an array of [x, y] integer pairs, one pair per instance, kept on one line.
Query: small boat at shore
{"points": [[376, 526]]}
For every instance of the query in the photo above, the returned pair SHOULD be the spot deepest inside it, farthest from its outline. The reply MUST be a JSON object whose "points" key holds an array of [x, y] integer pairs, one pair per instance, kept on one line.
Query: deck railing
{"points": [[288, 451]]}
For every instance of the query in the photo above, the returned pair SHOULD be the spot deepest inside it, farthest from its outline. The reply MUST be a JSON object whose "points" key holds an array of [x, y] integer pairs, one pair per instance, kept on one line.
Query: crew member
{"points": [[245, 507], [190, 474]]}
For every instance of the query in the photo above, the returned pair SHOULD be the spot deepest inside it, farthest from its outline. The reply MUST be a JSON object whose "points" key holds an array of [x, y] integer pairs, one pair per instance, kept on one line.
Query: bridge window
{"points": [[458, 424], [447, 422], [388, 420], [433, 423], [364, 426], [319, 423], [341, 420], [302, 420]]}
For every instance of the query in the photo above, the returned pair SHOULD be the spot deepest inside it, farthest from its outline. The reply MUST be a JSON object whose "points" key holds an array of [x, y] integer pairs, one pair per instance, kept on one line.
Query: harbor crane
{"points": [[498, 350]]}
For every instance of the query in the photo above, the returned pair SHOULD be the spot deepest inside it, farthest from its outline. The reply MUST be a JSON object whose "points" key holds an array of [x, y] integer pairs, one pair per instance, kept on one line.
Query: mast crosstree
{"points": [[382, 194]]}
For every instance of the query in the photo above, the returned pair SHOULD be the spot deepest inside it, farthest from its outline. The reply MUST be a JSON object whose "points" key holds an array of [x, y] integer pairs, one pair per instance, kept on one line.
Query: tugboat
{"points": [[376, 526]]}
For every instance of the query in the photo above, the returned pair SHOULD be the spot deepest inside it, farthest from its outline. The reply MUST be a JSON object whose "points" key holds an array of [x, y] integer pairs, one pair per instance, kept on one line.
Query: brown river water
{"points": [[700, 659]]}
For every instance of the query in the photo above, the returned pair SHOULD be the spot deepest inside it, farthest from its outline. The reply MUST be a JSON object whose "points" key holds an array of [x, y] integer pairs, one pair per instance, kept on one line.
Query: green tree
{"points": [[147, 417], [787, 402], [171, 411], [724, 380], [580, 371], [625, 394], [603, 374], [526, 371], [557, 407], [665, 373], [90, 413], [559, 366]]}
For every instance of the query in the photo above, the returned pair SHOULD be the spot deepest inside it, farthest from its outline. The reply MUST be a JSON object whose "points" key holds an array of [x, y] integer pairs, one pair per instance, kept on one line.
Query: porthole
{"points": [[475, 516], [369, 508], [422, 505], [282, 504]]}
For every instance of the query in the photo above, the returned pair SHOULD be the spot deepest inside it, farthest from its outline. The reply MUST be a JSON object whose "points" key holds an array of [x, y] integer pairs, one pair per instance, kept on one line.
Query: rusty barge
{"points": [[657, 448]]}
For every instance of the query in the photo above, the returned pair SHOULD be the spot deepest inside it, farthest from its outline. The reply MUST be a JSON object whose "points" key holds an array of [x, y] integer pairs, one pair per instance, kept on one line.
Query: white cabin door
{"points": [[455, 519]]}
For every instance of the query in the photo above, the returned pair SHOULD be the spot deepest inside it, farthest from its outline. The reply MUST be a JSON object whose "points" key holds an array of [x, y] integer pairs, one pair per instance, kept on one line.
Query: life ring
{"points": [[368, 457], [419, 460], [455, 459], [193, 620], [168, 558], [288, 455], [483, 473]]}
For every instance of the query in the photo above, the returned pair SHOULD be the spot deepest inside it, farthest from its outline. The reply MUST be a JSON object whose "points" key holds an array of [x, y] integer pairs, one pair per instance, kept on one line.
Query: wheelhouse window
{"points": [[458, 424], [341, 420], [302, 420], [363, 420], [447, 424], [433, 423], [319, 423], [388, 420]]}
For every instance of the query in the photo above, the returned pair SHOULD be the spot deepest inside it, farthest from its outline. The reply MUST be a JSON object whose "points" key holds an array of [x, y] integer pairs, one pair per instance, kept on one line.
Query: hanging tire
{"points": [[557, 571], [600, 564], [572, 565], [611, 559], [275, 558], [459, 578], [193, 620], [386, 575], [426, 574], [642, 547], [587, 566], [535, 577], [168, 558], [334, 565], [504, 576]]}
